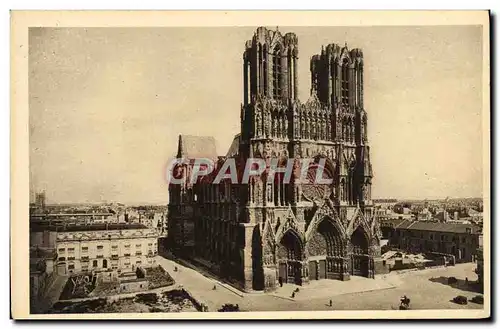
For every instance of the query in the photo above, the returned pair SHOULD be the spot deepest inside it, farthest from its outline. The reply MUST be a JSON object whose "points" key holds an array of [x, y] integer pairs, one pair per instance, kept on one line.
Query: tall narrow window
{"points": [[333, 82], [290, 74], [248, 80], [264, 68], [276, 72], [345, 83], [259, 70]]}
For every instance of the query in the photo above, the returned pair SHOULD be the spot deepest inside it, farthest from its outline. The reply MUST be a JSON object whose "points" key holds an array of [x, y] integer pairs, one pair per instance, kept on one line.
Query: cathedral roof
{"points": [[235, 146], [197, 147]]}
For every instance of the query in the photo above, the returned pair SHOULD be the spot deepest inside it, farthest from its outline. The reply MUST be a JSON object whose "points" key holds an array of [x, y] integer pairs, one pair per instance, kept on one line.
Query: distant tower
{"points": [[40, 200], [32, 188]]}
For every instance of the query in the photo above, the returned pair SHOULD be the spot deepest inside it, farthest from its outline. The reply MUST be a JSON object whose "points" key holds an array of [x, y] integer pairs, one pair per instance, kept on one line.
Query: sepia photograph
{"points": [[187, 165]]}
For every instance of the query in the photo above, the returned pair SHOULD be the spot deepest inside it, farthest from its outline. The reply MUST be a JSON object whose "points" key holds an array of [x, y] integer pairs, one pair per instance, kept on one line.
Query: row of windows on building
{"points": [[104, 264], [432, 236], [100, 247], [113, 256]]}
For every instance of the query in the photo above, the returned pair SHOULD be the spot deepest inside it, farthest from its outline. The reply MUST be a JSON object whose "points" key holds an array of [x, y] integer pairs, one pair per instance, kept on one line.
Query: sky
{"points": [[107, 105]]}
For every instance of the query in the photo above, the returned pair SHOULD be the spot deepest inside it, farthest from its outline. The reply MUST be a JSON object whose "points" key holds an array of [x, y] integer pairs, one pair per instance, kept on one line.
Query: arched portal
{"points": [[327, 248], [360, 254], [332, 237], [290, 257], [334, 249]]}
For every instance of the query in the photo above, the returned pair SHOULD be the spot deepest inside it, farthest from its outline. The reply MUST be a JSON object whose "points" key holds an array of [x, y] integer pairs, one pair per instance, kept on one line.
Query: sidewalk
{"points": [[199, 285], [216, 280], [329, 288]]}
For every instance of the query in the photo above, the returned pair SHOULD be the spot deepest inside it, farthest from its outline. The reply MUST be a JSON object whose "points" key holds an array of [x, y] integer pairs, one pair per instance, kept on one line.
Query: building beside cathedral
{"points": [[255, 234]]}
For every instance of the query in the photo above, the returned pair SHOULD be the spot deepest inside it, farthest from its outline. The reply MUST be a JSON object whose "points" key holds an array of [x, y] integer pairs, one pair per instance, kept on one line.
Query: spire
{"points": [[179, 147]]}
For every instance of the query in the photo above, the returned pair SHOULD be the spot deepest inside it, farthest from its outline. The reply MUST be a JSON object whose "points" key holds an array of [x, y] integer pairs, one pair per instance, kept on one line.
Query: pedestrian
{"points": [[215, 287], [466, 280], [280, 280], [331, 303], [293, 294]]}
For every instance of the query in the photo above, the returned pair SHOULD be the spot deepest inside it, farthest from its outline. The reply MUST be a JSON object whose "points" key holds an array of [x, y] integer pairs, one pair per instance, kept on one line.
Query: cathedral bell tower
{"points": [[337, 82], [270, 86], [337, 76], [270, 66]]}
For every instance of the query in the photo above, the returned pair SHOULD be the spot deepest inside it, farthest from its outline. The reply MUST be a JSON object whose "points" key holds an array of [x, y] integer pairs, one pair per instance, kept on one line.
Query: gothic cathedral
{"points": [[258, 234]]}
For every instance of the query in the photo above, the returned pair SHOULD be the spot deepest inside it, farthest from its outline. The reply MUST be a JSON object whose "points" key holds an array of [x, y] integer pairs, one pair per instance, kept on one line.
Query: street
{"points": [[427, 289]]}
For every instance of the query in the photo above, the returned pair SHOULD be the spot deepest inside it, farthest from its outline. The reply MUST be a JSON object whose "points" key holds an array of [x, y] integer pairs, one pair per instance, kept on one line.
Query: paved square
{"points": [[382, 293]]}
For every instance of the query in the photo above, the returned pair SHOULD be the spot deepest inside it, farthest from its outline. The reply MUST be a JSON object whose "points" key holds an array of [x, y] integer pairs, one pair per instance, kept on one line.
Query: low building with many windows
{"points": [[453, 239], [101, 247]]}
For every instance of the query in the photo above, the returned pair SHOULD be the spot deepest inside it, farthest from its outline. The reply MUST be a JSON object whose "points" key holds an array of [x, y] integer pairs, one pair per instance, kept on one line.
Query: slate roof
{"points": [[196, 147], [40, 227], [235, 147], [438, 227]]}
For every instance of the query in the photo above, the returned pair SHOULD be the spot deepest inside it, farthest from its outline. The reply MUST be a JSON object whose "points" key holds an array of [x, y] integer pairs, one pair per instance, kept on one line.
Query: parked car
{"points": [[462, 300], [229, 308], [452, 280], [478, 299]]}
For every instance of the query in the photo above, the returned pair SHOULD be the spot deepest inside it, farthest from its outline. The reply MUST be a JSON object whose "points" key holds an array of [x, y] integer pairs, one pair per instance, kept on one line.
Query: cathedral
{"points": [[258, 234]]}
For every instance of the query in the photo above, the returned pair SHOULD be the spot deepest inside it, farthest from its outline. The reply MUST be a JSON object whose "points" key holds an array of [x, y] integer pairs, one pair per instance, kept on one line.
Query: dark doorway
{"points": [[360, 256], [322, 269], [313, 273], [291, 256], [335, 250], [282, 272]]}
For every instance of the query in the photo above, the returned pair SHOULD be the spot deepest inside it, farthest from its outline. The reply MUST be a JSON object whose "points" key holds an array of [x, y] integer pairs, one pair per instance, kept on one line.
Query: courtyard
{"points": [[426, 288]]}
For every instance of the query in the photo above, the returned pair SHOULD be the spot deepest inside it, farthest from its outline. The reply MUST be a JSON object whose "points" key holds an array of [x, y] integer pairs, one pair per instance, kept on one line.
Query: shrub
{"points": [[150, 298]]}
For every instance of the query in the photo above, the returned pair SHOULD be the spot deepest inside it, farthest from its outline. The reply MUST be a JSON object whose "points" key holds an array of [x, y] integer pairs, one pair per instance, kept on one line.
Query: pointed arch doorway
{"points": [[326, 250], [290, 258], [360, 258]]}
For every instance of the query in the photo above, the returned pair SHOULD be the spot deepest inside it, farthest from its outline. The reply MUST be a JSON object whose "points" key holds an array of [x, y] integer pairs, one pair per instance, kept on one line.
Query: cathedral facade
{"points": [[257, 234]]}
